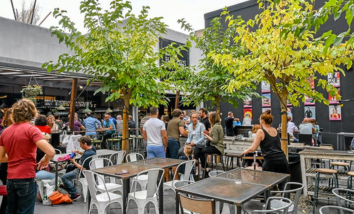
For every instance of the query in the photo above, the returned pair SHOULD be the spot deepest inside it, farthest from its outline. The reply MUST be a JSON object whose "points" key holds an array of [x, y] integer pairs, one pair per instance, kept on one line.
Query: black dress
{"points": [[274, 157]]}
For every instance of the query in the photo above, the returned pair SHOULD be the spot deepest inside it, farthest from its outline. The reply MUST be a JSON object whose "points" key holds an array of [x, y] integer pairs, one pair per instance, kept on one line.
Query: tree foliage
{"points": [[119, 50], [285, 59], [209, 81]]}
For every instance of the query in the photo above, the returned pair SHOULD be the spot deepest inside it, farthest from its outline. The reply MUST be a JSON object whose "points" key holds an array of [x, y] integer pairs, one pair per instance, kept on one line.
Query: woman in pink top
{"points": [[18, 146]]}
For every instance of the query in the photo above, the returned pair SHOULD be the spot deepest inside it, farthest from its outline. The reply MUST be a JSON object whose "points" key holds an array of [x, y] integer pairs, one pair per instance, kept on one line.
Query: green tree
{"points": [[119, 51], [283, 58], [209, 81]]}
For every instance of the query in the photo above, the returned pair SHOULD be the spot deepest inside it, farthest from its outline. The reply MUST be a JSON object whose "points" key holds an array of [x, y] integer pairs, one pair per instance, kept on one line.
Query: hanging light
{"points": [[109, 110], [87, 110], [61, 108]]}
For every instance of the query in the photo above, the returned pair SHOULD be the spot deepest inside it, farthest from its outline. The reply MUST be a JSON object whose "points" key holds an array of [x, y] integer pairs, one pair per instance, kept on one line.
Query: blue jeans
{"points": [[44, 175], [21, 196], [155, 151], [67, 181], [173, 147]]}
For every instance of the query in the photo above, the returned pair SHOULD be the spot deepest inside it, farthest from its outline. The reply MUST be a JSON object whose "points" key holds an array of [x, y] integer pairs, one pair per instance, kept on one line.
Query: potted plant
{"points": [[31, 91]]}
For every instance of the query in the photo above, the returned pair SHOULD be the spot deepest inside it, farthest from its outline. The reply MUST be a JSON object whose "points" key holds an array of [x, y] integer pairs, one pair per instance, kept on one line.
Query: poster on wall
{"points": [[266, 100], [265, 109], [335, 112], [265, 87], [310, 112], [247, 113], [333, 100], [311, 82], [309, 101], [247, 103], [334, 79]]}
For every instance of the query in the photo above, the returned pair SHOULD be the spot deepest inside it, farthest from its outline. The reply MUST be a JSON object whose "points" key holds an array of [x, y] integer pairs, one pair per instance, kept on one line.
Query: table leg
{"points": [[161, 198], [239, 208], [126, 189], [56, 177], [177, 203]]}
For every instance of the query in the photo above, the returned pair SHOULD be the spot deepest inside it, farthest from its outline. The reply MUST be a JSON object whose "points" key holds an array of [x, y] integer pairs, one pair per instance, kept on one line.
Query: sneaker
{"points": [[61, 186], [75, 197]]}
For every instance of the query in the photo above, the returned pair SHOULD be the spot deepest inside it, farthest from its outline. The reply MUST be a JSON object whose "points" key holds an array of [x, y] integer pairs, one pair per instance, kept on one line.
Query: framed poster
{"points": [[335, 112], [334, 79], [311, 82], [265, 87], [333, 100], [265, 109], [310, 112], [247, 113], [289, 113], [247, 103], [309, 101], [266, 100]]}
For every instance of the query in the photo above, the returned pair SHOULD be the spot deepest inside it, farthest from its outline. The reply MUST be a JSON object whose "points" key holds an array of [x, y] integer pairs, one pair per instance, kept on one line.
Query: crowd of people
{"points": [[25, 150]]}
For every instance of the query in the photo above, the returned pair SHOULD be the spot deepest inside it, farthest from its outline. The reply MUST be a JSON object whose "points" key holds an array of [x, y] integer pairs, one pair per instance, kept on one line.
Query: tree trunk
{"points": [[284, 124], [72, 103], [217, 101], [177, 99], [125, 137]]}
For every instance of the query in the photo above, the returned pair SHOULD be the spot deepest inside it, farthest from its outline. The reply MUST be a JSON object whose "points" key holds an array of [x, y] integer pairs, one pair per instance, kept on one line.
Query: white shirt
{"points": [[292, 128], [305, 128], [153, 129]]}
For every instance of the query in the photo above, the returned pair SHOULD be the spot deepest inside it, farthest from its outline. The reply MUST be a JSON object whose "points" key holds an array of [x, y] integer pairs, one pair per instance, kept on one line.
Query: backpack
{"points": [[59, 198]]}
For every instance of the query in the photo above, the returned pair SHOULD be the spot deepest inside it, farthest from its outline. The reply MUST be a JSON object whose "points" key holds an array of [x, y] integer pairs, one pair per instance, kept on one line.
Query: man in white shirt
{"points": [[306, 126], [154, 132], [291, 126]]}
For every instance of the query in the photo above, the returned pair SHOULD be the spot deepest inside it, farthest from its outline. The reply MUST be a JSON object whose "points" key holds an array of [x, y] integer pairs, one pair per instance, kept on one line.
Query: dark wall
{"points": [[247, 10]]}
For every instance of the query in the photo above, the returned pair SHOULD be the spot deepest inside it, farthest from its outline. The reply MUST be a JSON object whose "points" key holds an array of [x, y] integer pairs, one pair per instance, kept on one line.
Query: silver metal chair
{"points": [[275, 204], [284, 209], [333, 209], [339, 192]]}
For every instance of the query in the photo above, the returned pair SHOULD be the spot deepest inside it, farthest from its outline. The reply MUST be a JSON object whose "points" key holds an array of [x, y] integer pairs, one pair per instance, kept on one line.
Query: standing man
{"points": [[119, 124], [59, 121], [91, 124], [109, 127], [85, 144], [154, 132], [205, 119], [175, 128], [18, 147], [131, 124], [229, 124]]}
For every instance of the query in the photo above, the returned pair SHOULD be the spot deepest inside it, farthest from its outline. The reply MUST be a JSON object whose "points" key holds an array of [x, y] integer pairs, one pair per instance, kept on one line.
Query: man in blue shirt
{"points": [[109, 127], [91, 124], [85, 144]]}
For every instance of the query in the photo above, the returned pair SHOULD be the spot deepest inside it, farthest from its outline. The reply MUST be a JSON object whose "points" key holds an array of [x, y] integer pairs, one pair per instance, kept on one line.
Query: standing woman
{"points": [[216, 139], [6, 122], [267, 138], [18, 145]]}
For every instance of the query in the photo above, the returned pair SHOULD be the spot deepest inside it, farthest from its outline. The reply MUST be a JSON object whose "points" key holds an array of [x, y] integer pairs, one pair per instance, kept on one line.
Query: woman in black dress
{"points": [[267, 138]]}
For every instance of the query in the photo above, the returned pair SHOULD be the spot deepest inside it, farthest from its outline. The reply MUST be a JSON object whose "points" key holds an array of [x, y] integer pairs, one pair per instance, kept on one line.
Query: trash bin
{"points": [[295, 168]]}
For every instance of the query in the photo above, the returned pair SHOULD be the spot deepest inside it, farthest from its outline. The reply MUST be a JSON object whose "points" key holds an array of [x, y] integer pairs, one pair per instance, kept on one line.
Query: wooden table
{"points": [[133, 169], [308, 173], [225, 189]]}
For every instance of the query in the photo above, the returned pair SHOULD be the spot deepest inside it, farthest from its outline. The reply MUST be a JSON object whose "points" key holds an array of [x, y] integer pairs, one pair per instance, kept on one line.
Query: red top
{"points": [[45, 129], [19, 142]]}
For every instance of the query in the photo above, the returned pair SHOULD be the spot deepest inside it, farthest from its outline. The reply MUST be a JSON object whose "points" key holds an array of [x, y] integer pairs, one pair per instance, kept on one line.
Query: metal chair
{"points": [[347, 199], [82, 179], [142, 179], [112, 186], [202, 206], [188, 165], [117, 157], [275, 204], [306, 138], [114, 139], [284, 209], [104, 199], [333, 209], [142, 198]]}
